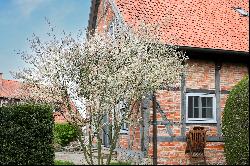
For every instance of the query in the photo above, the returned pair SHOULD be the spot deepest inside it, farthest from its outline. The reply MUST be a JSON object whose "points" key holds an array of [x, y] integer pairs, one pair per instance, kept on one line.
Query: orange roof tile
{"points": [[195, 23]]}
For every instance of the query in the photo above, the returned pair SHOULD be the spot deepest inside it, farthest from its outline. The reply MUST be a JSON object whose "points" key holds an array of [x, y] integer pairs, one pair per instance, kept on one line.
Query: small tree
{"points": [[104, 70]]}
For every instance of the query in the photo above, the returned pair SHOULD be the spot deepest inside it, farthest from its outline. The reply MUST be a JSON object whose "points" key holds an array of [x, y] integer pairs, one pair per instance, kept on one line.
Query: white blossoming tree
{"points": [[103, 71]]}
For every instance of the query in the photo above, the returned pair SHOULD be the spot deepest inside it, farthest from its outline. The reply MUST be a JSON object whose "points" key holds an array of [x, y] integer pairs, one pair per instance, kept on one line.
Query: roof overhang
{"points": [[93, 14], [215, 54], [213, 51]]}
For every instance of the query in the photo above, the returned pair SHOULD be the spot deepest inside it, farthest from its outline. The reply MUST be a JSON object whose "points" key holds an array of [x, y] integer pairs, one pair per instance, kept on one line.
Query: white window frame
{"points": [[111, 29], [118, 109], [125, 127], [3, 102], [201, 120]]}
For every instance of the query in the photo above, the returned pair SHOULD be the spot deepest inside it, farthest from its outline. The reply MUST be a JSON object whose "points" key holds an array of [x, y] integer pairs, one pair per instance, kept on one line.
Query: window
{"points": [[121, 111], [241, 11], [122, 107], [3, 102], [111, 29], [200, 108], [124, 127]]}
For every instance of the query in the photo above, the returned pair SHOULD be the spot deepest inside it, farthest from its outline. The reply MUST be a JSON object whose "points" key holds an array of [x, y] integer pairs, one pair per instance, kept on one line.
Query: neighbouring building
{"points": [[10, 93], [215, 36]]}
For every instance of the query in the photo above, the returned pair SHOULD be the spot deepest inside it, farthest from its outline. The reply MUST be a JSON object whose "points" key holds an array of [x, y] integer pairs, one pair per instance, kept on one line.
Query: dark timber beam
{"points": [[184, 139], [217, 96], [142, 129], [154, 131], [208, 91], [183, 106]]}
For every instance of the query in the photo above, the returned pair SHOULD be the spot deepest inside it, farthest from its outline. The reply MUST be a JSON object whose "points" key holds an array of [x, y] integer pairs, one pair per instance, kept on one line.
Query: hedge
{"points": [[235, 124], [26, 135], [64, 133]]}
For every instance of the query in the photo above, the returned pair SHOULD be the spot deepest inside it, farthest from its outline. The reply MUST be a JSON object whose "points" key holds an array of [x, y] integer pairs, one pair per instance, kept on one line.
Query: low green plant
{"points": [[64, 133], [62, 162]]}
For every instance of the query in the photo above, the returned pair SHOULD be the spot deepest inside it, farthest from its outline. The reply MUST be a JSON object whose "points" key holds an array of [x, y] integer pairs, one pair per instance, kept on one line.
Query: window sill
{"points": [[201, 121], [123, 132]]}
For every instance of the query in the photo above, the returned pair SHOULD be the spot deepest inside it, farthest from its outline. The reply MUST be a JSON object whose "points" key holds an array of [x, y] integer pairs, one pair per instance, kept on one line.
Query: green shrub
{"points": [[26, 135], [64, 133], [235, 124], [62, 162]]}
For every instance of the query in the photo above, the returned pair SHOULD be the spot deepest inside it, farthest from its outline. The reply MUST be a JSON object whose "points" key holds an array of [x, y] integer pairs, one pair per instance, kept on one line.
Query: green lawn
{"points": [[120, 163], [62, 162]]}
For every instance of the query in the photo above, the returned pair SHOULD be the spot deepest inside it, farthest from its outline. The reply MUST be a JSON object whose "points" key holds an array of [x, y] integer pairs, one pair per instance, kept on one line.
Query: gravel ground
{"points": [[76, 158]]}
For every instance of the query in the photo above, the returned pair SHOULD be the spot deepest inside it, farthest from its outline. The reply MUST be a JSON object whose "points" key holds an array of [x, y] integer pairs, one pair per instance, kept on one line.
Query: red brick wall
{"points": [[132, 138], [173, 153], [104, 16], [59, 118], [230, 75], [201, 74]]}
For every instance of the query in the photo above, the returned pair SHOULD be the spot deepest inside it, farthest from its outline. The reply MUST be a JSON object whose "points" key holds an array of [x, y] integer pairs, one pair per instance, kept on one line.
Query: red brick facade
{"points": [[200, 74]]}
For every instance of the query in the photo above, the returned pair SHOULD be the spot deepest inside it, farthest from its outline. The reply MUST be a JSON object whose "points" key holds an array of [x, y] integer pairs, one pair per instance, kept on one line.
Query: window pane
{"points": [[204, 112], [203, 102], [196, 112], [126, 126], [209, 102], [196, 101], [123, 126], [190, 107], [209, 113]]}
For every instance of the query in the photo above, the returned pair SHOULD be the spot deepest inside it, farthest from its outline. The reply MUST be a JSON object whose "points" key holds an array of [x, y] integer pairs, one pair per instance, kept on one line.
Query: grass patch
{"points": [[62, 162], [120, 163]]}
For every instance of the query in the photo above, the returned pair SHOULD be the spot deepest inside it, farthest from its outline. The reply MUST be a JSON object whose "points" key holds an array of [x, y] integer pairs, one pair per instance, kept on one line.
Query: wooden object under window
{"points": [[196, 142]]}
